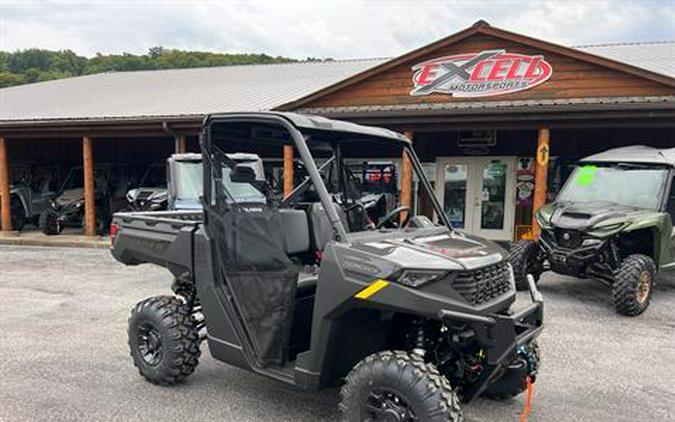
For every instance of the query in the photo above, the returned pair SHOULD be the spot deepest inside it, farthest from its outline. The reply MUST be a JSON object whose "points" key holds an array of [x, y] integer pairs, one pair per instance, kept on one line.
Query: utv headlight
{"points": [[608, 227], [415, 278]]}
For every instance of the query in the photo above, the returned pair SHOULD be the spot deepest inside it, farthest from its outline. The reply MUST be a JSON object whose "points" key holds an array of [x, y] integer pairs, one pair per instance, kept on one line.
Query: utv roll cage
{"points": [[297, 126]]}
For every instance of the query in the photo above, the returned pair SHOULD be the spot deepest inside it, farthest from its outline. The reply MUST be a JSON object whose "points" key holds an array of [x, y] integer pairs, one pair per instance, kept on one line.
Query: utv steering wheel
{"points": [[390, 217]]}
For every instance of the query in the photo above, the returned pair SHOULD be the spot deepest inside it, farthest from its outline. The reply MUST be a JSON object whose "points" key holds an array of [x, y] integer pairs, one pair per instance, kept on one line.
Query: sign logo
{"points": [[493, 72]]}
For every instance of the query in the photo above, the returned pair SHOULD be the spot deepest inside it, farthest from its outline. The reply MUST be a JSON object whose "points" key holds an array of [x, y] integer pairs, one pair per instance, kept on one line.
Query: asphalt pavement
{"points": [[63, 354]]}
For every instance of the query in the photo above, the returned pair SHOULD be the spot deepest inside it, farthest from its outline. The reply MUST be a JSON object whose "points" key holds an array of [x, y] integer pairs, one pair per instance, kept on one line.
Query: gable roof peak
{"points": [[481, 23]]}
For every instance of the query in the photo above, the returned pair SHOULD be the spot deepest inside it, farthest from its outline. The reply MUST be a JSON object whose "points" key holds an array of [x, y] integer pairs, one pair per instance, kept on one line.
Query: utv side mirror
{"points": [[242, 174]]}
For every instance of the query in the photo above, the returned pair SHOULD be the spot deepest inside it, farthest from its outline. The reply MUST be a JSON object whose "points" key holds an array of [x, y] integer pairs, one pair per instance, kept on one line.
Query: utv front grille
{"points": [[569, 239], [484, 284]]}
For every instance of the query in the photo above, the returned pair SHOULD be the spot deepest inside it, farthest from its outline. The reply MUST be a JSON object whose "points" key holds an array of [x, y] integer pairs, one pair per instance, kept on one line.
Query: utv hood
{"points": [[446, 251], [591, 216], [69, 196]]}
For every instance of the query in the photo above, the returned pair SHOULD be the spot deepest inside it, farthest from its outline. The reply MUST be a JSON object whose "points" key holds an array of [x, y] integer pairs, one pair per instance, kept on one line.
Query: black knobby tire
{"points": [[514, 380], [419, 388], [628, 291], [175, 335], [17, 213], [48, 223], [522, 257]]}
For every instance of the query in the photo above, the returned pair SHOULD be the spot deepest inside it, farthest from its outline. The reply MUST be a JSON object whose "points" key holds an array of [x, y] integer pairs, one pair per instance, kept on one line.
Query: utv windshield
{"points": [[189, 180], [630, 185]]}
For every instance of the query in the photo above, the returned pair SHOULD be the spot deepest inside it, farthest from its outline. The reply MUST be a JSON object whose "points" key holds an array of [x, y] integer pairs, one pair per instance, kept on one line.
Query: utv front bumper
{"points": [[570, 261], [501, 336]]}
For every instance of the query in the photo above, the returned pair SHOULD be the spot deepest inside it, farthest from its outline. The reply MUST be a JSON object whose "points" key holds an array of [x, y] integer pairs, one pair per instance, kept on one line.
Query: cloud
{"points": [[318, 28]]}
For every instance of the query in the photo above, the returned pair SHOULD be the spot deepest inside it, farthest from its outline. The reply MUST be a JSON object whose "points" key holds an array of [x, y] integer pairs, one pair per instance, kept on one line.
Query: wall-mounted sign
{"points": [[477, 138], [488, 73]]}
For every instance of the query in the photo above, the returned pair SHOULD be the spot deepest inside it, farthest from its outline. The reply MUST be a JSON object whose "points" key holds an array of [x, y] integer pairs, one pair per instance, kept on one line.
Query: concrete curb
{"points": [[68, 241]]}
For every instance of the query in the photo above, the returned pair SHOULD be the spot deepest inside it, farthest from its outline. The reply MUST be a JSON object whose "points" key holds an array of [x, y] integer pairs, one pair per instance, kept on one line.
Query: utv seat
{"points": [[295, 231], [321, 229], [296, 240]]}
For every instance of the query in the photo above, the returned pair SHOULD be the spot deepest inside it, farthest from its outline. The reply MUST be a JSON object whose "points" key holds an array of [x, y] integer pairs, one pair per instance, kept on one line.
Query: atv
{"points": [[30, 194], [611, 222], [409, 316]]}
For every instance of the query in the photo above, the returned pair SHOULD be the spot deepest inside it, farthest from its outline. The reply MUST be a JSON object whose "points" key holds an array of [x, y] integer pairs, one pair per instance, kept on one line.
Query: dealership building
{"points": [[497, 118]]}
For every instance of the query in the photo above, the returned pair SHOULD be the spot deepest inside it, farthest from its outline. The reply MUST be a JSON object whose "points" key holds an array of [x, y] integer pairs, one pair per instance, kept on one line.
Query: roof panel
{"points": [[174, 92], [658, 57]]}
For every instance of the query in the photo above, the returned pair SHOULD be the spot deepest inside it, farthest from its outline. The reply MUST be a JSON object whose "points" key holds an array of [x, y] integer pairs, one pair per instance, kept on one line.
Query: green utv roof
{"points": [[639, 154]]}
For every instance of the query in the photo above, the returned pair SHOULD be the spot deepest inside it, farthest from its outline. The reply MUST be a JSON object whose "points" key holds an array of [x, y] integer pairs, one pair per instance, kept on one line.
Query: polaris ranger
{"points": [[612, 222], [410, 317]]}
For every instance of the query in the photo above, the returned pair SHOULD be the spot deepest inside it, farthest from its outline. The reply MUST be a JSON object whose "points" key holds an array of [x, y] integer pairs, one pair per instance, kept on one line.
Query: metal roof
{"points": [[478, 106], [176, 92], [658, 56], [634, 154], [199, 91]]}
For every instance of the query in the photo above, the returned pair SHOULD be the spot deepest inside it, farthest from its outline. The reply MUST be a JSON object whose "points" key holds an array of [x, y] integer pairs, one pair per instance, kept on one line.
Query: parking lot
{"points": [[63, 354]]}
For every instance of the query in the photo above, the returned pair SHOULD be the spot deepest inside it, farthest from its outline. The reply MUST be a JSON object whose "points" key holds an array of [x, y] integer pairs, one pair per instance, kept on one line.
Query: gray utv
{"points": [[409, 317], [611, 222]]}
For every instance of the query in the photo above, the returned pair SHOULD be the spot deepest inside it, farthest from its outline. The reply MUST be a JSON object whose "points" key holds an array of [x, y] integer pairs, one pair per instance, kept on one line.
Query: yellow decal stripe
{"points": [[372, 289]]}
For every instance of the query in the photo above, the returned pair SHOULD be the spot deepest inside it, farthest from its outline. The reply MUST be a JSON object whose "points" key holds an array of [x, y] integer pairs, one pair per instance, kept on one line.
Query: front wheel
{"points": [[163, 340], [633, 281], [398, 386], [49, 223], [523, 259]]}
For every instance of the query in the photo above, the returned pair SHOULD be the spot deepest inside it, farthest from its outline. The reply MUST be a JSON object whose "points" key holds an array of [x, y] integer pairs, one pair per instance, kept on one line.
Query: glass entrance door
{"points": [[478, 194]]}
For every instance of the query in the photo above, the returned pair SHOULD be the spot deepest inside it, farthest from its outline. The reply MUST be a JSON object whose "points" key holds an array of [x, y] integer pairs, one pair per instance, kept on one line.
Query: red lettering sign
{"points": [[488, 73]]}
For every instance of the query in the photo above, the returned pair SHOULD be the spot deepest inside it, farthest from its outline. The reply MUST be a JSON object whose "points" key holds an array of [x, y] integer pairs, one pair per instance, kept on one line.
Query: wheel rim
{"points": [[644, 285], [149, 344], [384, 405]]}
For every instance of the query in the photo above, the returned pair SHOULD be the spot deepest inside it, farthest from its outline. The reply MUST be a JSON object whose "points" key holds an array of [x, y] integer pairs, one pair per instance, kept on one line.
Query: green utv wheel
{"points": [[399, 387], [163, 340], [514, 380], [522, 257], [633, 282]]}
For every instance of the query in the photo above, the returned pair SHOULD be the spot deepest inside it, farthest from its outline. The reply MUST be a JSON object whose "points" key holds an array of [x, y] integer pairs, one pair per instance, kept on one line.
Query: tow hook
{"points": [[525, 351]]}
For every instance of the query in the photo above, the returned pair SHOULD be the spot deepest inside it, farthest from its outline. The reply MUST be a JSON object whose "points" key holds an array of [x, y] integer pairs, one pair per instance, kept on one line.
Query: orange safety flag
{"points": [[528, 402]]}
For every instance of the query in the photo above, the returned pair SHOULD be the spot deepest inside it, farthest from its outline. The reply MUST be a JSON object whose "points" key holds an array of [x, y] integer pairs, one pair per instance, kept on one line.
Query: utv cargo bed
{"points": [[163, 238]]}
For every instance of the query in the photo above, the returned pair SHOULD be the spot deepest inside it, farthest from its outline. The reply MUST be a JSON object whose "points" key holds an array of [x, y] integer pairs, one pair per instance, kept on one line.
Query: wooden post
{"points": [[288, 170], [89, 189], [406, 180], [6, 219], [181, 144], [540, 175]]}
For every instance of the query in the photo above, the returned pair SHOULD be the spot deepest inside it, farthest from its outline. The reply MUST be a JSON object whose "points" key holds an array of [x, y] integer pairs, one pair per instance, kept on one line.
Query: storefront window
{"points": [[493, 196], [454, 200]]}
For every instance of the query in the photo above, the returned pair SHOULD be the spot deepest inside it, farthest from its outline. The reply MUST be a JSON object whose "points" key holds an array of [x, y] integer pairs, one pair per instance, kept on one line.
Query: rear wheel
{"points": [[163, 340], [49, 223], [398, 387], [523, 259], [633, 281]]}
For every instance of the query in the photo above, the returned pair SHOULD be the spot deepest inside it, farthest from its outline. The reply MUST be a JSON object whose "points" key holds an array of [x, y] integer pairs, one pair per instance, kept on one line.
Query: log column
{"points": [[288, 170], [89, 188], [540, 176], [181, 144], [406, 180], [6, 218]]}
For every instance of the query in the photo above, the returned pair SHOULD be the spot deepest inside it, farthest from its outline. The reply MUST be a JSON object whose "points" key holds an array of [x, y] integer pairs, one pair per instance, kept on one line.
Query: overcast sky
{"points": [[317, 28]]}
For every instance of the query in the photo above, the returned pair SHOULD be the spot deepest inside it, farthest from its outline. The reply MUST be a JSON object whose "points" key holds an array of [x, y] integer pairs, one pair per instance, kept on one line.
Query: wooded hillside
{"points": [[35, 65]]}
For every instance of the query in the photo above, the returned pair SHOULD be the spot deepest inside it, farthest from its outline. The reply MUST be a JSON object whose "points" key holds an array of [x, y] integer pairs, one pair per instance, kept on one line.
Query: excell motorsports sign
{"points": [[488, 73]]}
